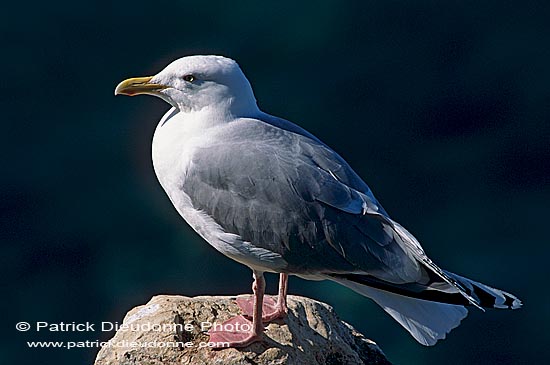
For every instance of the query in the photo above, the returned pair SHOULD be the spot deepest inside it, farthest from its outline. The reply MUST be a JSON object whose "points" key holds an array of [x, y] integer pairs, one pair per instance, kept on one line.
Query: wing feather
{"points": [[288, 193]]}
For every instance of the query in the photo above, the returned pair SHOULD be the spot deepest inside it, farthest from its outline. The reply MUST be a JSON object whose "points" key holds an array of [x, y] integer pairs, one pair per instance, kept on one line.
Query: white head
{"points": [[194, 83]]}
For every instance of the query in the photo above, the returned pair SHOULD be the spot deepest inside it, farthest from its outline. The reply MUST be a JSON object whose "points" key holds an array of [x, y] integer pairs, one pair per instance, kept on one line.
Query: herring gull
{"points": [[270, 195]]}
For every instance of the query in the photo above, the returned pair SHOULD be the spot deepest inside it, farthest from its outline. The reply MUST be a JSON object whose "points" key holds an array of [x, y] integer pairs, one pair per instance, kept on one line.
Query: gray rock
{"points": [[172, 330]]}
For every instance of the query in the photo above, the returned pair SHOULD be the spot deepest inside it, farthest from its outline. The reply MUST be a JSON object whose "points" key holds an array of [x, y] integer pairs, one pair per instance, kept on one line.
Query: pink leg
{"points": [[239, 331], [281, 298], [271, 309]]}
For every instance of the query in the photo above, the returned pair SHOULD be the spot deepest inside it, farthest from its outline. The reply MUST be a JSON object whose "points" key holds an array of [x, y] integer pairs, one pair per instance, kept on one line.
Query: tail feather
{"points": [[428, 322], [428, 314]]}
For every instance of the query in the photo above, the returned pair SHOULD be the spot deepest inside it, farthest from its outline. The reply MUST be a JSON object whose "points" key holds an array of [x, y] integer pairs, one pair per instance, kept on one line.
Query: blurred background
{"points": [[442, 107]]}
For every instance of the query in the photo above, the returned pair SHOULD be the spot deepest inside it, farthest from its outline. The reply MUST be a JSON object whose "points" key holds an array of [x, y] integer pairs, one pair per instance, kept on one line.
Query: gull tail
{"points": [[432, 312], [428, 322]]}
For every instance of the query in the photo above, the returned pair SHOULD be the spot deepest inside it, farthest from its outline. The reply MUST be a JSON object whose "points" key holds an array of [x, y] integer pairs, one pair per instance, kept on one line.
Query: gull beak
{"points": [[139, 85]]}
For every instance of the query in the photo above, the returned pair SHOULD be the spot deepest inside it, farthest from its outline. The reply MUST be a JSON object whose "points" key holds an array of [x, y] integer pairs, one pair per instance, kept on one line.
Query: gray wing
{"points": [[287, 192]]}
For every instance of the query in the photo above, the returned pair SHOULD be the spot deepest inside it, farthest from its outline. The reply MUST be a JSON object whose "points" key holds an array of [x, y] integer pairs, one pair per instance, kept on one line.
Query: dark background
{"points": [[443, 107]]}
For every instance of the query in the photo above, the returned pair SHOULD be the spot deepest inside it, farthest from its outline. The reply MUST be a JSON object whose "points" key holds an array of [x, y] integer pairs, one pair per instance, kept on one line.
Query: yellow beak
{"points": [[138, 85]]}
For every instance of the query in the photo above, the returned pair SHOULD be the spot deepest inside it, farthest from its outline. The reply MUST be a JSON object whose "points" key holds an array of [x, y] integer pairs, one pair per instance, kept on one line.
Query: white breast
{"points": [[176, 138]]}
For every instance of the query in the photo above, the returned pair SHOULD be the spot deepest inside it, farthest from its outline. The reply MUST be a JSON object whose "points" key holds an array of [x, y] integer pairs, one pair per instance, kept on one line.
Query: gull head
{"points": [[197, 83]]}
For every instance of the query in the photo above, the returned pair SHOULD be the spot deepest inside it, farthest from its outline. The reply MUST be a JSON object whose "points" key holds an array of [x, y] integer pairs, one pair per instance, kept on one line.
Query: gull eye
{"points": [[189, 78]]}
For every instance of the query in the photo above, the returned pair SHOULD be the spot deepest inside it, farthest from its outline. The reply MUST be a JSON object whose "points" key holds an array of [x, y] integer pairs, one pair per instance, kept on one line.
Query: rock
{"points": [[172, 330]]}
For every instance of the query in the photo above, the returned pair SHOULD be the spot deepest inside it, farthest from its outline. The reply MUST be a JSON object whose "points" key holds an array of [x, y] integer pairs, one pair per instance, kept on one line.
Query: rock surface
{"points": [[172, 330]]}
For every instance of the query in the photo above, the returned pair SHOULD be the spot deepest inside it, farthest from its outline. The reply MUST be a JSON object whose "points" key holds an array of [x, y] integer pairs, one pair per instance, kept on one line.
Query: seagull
{"points": [[270, 195]]}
